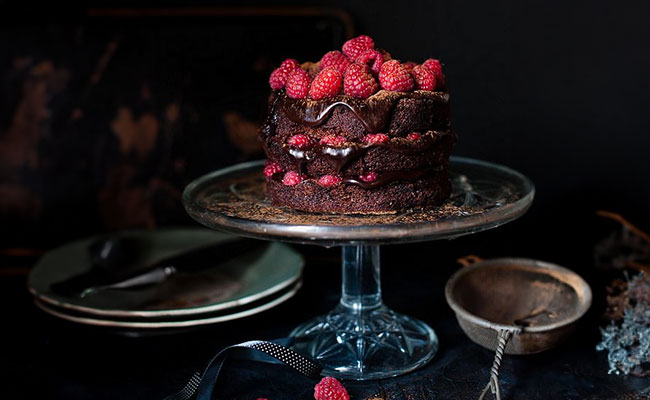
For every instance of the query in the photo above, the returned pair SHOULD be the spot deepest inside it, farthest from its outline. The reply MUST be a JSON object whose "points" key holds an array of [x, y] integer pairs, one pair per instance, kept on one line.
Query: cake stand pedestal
{"points": [[361, 338]]}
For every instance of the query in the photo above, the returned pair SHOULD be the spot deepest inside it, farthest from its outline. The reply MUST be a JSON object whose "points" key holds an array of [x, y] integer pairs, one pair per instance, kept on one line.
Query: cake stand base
{"points": [[373, 344], [362, 338]]}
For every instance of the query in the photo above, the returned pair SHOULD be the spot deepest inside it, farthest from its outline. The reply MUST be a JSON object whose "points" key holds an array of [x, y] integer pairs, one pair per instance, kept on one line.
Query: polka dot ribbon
{"points": [[276, 349]]}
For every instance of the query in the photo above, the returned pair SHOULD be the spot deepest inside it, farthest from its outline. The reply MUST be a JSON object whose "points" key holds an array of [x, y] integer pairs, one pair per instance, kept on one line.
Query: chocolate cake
{"points": [[358, 132]]}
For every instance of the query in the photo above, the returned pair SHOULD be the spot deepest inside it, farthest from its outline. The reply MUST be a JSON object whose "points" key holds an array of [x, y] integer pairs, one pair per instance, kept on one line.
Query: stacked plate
{"points": [[241, 278]]}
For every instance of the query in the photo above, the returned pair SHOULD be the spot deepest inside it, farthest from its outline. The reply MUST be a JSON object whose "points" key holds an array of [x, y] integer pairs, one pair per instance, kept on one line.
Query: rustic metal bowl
{"points": [[538, 301]]}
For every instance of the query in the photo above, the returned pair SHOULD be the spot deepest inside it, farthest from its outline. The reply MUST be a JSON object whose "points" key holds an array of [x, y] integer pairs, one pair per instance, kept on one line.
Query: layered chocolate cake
{"points": [[358, 132]]}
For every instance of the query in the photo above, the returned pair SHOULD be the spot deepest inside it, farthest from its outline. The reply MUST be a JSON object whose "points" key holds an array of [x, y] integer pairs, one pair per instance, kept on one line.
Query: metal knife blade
{"points": [[98, 279]]}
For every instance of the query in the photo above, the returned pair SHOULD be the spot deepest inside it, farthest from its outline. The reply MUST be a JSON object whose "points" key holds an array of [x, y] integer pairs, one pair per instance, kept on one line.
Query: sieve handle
{"points": [[493, 384], [468, 260]]}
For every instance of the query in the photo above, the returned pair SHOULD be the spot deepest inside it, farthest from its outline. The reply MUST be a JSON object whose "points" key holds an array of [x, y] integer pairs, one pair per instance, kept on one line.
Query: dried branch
{"points": [[638, 266], [624, 222]]}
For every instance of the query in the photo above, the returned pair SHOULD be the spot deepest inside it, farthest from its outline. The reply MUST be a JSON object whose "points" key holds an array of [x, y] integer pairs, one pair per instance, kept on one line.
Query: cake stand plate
{"points": [[233, 199], [361, 338]]}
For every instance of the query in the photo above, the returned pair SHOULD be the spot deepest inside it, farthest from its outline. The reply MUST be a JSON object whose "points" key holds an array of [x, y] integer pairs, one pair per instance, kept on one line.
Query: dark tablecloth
{"points": [[43, 357]]}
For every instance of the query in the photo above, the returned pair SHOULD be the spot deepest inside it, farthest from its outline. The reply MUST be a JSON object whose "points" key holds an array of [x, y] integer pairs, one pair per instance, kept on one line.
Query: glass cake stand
{"points": [[361, 338]]}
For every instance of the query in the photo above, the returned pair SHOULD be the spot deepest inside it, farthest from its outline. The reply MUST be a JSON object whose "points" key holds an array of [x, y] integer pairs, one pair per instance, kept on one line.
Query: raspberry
{"points": [[409, 65], [326, 84], [371, 55], [435, 67], [330, 389], [333, 140], [369, 177], [394, 77], [413, 136], [299, 141], [289, 65], [292, 178], [355, 46], [424, 78], [279, 76], [335, 59], [358, 82], [272, 168], [329, 180], [298, 84], [375, 138], [278, 79]]}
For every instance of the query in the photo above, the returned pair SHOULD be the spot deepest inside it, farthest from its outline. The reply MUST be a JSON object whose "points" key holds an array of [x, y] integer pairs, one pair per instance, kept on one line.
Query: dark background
{"points": [[556, 90], [559, 91]]}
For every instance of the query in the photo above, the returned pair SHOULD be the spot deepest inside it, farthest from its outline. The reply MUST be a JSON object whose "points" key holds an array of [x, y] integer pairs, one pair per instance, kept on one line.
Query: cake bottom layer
{"points": [[426, 192]]}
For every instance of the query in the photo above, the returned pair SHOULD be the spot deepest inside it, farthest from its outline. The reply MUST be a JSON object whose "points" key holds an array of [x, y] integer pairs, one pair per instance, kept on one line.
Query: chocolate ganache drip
{"points": [[388, 177], [373, 112], [340, 156]]}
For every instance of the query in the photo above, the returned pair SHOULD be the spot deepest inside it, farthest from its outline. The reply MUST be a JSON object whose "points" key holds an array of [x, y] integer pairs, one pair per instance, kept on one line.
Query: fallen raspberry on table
{"points": [[329, 180], [298, 84], [330, 389], [372, 58], [299, 141], [358, 82], [292, 178], [335, 59], [262, 398], [413, 136], [424, 78], [279, 76], [369, 177], [333, 140], [355, 46], [326, 84], [394, 77], [272, 168], [375, 138], [435, 67]]}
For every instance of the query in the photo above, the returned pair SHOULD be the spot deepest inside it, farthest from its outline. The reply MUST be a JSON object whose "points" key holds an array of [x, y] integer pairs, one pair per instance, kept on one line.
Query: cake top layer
{"points": [[391, 113], [359, 71], [372, 112]]}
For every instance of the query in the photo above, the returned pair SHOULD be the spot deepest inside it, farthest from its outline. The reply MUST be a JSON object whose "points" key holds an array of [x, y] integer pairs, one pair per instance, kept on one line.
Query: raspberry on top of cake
{"points": [[358, 132]]}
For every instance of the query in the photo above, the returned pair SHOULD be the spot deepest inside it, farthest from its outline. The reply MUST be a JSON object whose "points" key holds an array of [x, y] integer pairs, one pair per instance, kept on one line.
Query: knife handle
{"points": [[154, 276]]}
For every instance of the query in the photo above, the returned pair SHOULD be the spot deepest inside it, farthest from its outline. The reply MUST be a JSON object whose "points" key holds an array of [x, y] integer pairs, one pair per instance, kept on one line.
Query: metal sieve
{"points": [[516, 306]]}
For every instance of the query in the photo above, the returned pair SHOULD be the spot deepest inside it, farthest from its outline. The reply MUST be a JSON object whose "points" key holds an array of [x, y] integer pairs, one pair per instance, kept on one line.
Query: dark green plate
{"points": [[268, 270], [167, 323]]}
